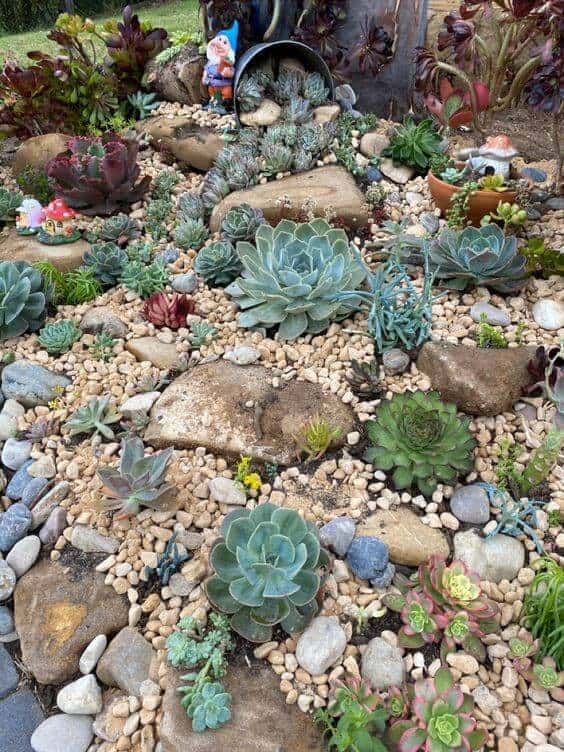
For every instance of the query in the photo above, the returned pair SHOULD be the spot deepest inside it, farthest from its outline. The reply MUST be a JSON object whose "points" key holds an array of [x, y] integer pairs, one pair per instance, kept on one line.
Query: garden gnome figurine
{"points": [[58, 224], [29, 217], [494, 157], [220, 68]]}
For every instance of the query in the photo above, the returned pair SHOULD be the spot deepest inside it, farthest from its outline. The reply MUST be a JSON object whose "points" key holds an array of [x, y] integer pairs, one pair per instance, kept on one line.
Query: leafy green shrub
{"points": [[541, 259], [96, 417], [139, 481], [59, 337], [22, 299], [106, 261], [204, 699], [266, 571], [478, 256], [299, 276], [415, 144], [143, 279], [422, 439], [218, 263], [34, 182], [543, 609], [9, 202]]}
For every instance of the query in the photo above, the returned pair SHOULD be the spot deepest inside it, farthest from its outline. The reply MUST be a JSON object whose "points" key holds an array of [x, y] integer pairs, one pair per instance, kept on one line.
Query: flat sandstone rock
{"points": [[206, 407], [332, 188], [14, 247]]}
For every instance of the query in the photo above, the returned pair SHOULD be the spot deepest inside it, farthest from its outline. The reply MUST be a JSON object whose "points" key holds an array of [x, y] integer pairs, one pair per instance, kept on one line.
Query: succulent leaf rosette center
{"points": [[421, 430], [444, 726]]}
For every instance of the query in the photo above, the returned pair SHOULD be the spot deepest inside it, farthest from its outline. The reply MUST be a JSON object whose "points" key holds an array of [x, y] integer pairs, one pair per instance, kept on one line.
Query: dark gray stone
{"points": [[19, 481], [494, 316], [368, 557], [338, 534], [53, 527], [471, 504], [34, 491], [9, 677], [6, 621], [395, 361], [534, 174], [14, 524], [20, 715], [384, 580], [430, 222], [555, 203], [30, 384]]}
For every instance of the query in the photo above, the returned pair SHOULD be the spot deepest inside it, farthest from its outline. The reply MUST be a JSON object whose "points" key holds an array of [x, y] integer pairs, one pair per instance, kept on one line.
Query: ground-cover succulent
{"points": [[297, 276], [422, 439], [241, 223], [478, 256], [214, 188], [266, 571], [164, 183], [143, 103], [22, 299], [139, 481], [106, 260], [120, 229], [145, 279], [95, 417], [102, 348], [168, 310], [200, 333], [414, 144], [218, 263], [59, 337], [315, 437], [98, 176], [440, 719], [190, 233], [542, 460], [80, 286], [543, 609]]}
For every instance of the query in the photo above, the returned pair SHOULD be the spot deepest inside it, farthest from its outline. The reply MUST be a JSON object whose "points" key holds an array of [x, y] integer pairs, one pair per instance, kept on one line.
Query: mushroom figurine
{"points": [[494, 157], [58, 225], [29, 217]]}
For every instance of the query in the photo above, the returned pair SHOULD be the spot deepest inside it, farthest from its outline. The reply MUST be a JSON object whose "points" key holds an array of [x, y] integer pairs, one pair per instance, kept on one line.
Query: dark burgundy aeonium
{"points": [[98, 175], [374, 49], [544, 91], [458, 35]]}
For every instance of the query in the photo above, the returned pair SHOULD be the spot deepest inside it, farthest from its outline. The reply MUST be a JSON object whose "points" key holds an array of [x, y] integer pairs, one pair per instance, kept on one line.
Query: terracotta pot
{"points": [[481, 202]]}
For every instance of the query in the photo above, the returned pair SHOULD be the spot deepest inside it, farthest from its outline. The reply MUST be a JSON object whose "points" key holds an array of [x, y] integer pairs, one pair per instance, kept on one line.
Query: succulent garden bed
{"points": [[281, 435]]}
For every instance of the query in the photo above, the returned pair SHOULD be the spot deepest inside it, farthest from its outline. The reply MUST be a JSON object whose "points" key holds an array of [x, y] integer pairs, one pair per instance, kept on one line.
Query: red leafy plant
{"points": [[440, 718], [98, 176], [444, 604], [168, 310]]}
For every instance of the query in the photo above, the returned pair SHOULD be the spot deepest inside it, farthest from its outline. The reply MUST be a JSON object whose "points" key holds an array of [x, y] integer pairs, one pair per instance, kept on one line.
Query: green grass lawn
{"points": [[178, 15]]}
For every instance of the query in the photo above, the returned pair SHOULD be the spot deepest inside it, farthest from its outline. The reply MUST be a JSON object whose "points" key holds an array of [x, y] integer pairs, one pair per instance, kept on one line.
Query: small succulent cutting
{"points": [[241, 223], [22, 299], [59, 337], [266, 571], [478, 256], [315, 437], [218, 263], [143, 103], [144, 279], [441, 719], [168, 310], [139, 481], [96, 417], [422, 439], [106, 261]]}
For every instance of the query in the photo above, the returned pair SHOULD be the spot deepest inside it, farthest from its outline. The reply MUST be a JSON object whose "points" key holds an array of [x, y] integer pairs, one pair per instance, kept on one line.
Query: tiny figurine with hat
{"points": [[29, 218], [219, 71], [58, 224]]}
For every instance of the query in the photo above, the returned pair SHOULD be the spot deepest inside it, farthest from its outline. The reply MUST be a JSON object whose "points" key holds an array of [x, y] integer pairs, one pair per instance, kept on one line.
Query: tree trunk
{"points": [[390, 93]]}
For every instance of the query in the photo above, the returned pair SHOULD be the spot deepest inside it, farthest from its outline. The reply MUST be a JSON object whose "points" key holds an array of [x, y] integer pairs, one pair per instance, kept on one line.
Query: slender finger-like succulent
{"points": [[218, 263], [421, 439], [22, 299], [297, 276], [241, 223], [106, 260], [478, 256], [168, 310], [266, 571], [190, 233], [96, 417], [59, 337], [139, 481]]}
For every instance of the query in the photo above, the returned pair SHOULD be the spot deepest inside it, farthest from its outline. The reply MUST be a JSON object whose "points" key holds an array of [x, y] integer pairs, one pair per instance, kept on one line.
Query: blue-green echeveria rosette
{"points": [[297, 276], [478, 256], [266, 571]]}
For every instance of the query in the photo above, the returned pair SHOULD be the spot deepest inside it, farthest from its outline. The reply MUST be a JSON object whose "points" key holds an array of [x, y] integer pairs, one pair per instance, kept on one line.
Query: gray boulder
{"points": [[382, 664], [31, 384]]}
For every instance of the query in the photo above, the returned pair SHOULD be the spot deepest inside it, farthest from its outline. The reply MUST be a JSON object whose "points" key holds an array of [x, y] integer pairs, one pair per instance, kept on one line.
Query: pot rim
{"points": [[478, 190]]}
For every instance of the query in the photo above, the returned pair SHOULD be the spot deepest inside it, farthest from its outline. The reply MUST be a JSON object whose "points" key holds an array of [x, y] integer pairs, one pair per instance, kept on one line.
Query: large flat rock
{"points": [[192, 145], [58, 610], [14, 247], [206, 407], [261, 721], [478, 381], [333, 188]]}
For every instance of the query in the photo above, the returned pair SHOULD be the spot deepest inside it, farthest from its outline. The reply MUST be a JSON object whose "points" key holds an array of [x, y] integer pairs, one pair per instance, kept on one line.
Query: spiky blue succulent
{"points": [[297, 276], [478, 256]]}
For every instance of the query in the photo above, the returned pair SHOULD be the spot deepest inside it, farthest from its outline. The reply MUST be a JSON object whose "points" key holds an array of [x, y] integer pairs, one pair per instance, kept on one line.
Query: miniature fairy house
{"points": [[58, 225], [29, 217]]}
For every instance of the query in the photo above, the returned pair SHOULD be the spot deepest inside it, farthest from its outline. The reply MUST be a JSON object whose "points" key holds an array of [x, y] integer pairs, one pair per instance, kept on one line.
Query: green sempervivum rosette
{"points": [[441, 719], [59, 337], [422, 439], [218, 263], [266, 571]]}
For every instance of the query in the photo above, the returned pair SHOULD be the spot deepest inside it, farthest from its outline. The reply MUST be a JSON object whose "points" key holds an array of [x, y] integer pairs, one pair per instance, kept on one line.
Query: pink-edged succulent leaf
{"points": [[412, 740]]}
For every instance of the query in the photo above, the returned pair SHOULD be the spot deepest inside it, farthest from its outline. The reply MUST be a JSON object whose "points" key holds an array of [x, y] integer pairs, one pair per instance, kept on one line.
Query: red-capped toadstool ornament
{"points": [[58, 224]]}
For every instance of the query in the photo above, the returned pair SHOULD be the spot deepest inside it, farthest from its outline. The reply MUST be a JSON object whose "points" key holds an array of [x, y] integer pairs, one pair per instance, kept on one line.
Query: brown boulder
{"points": [[126, 662], [478, 381], [38, 150], [332, 187], [58, 610], [14, 247], [160, 354], [261, 721], [185, 140], [180, 78], [206, 407], [410, 541]]}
